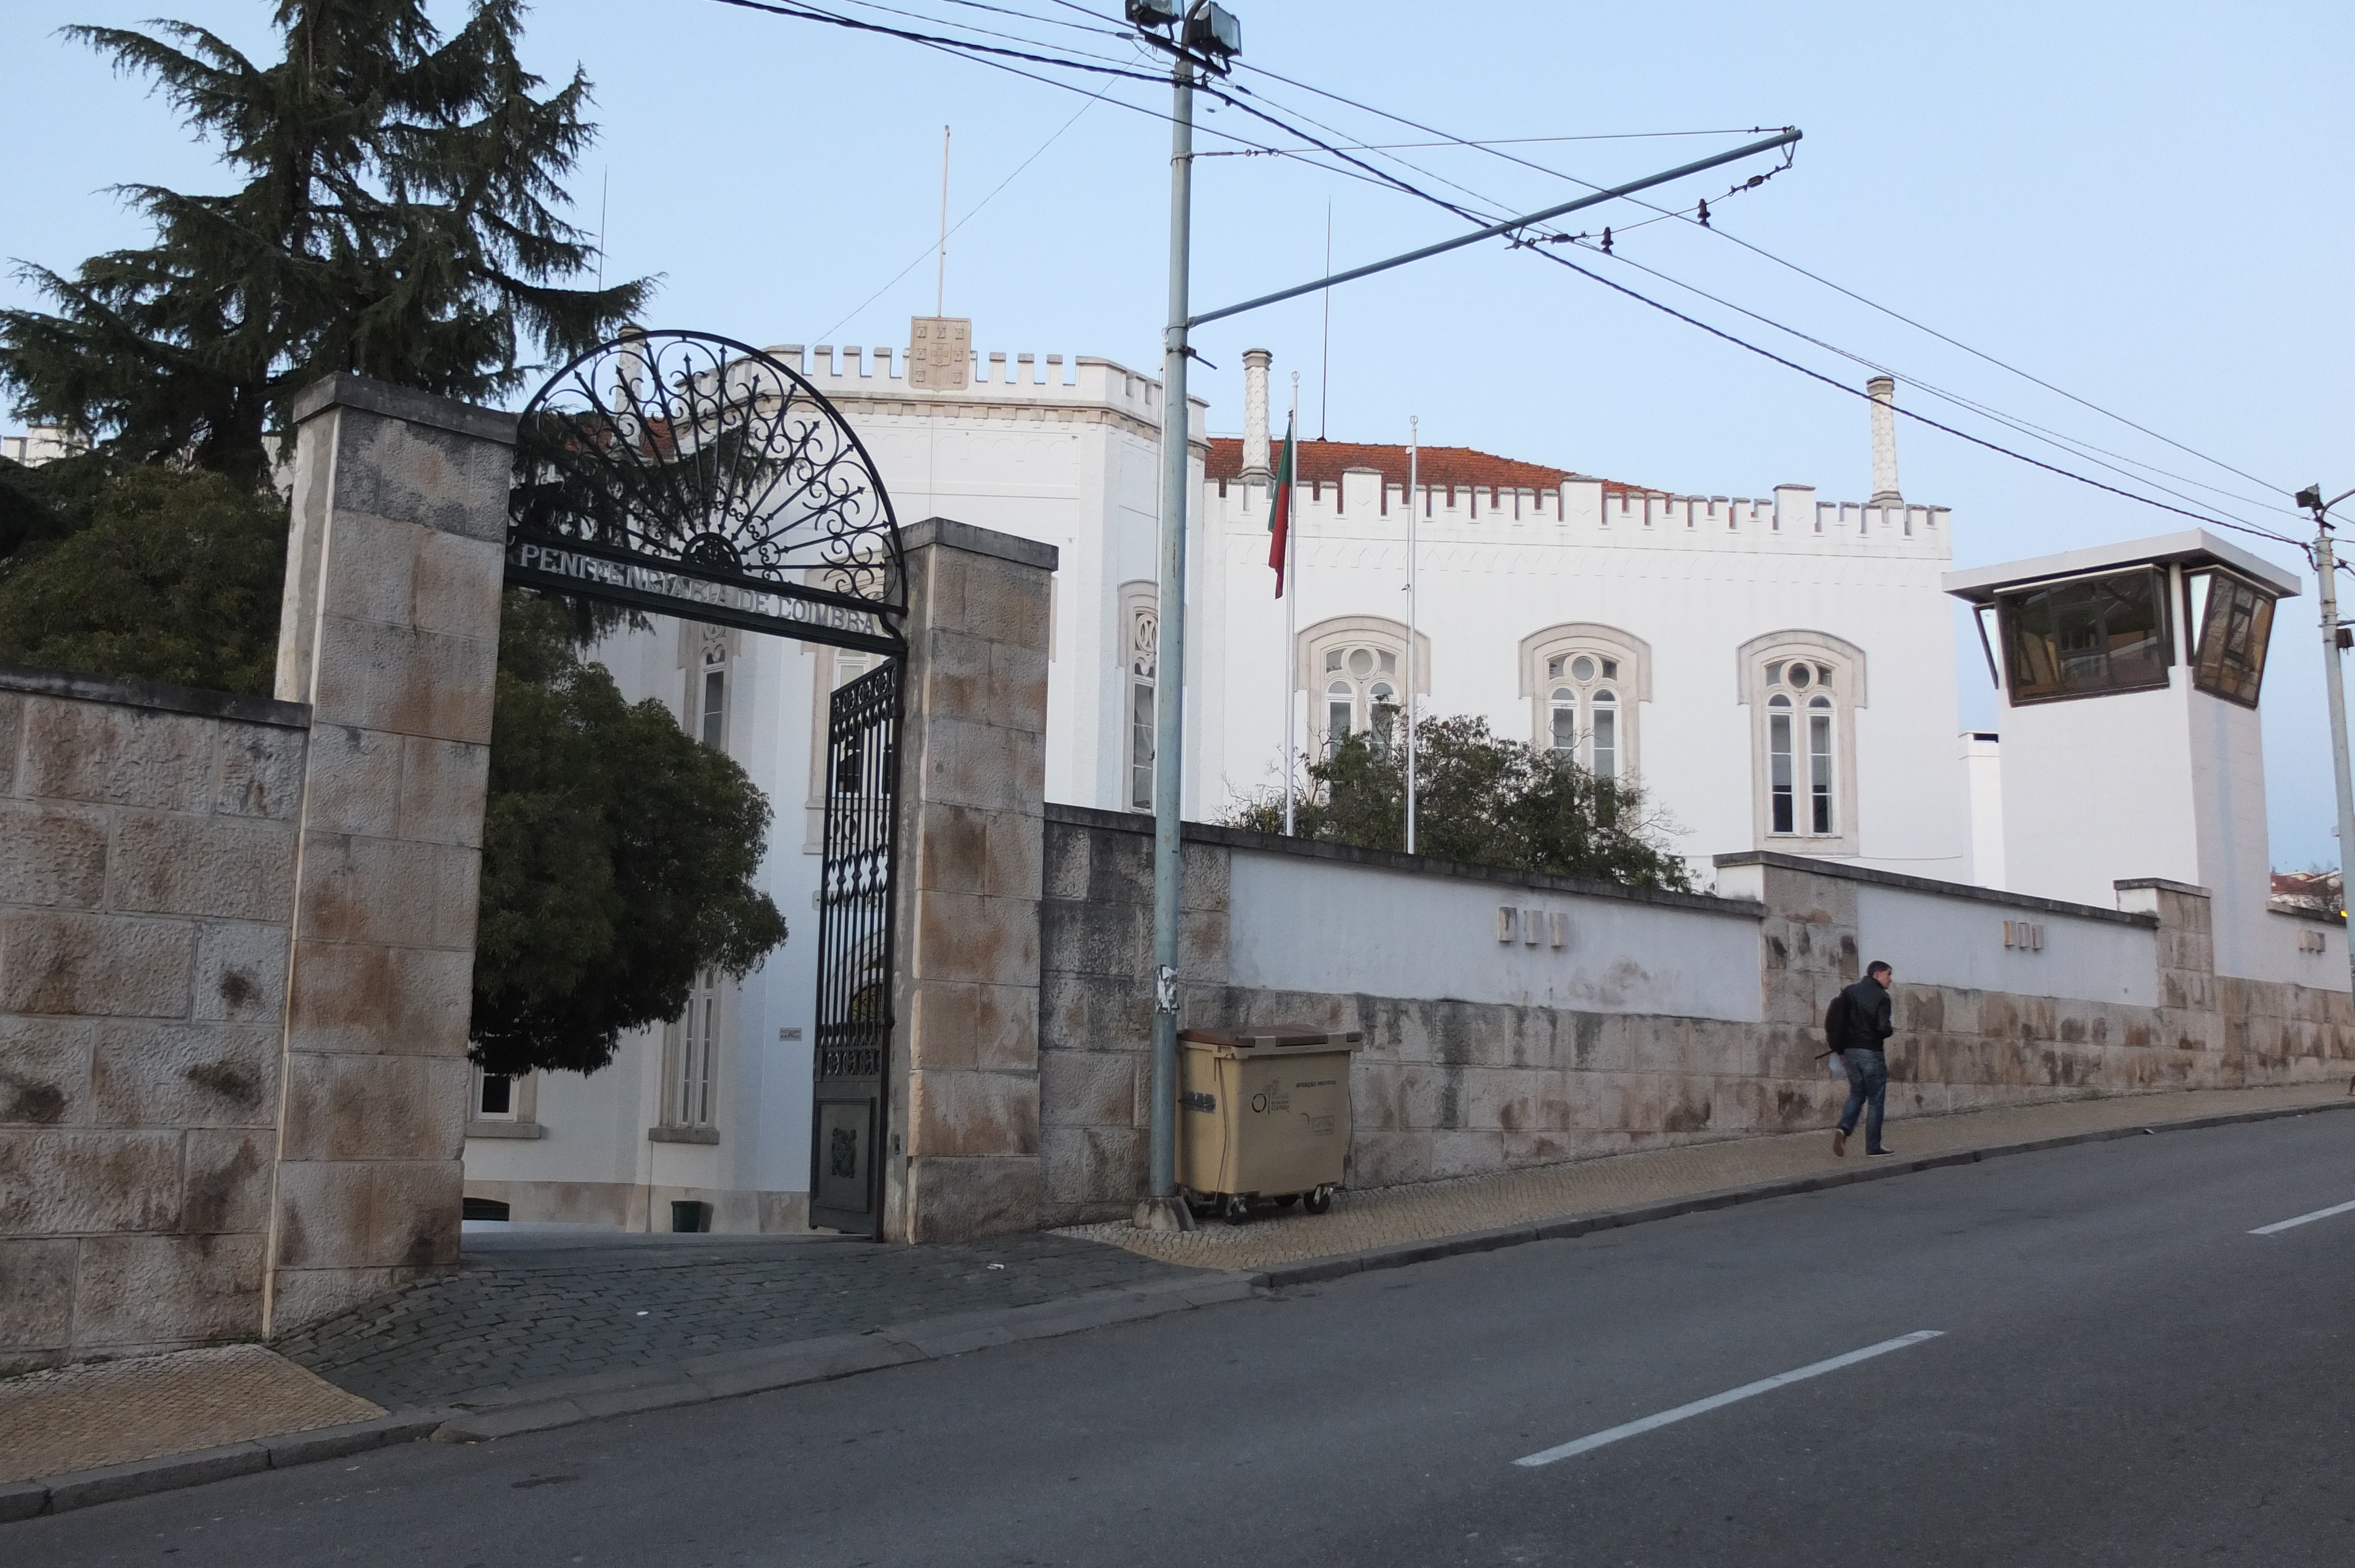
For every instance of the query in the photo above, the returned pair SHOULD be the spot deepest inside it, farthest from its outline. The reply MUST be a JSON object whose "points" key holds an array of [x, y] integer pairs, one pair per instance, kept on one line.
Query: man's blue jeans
{"points": [[1868, 1085]]}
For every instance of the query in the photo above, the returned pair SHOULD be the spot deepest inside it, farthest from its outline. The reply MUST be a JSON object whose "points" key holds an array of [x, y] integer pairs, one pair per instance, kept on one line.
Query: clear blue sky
{"points": [[2147, 203]]}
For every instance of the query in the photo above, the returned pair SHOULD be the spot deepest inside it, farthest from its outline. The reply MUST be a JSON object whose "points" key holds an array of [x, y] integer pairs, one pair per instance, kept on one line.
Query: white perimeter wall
{"points": [[1300, 923], [2270, 951], [1935, 939]]}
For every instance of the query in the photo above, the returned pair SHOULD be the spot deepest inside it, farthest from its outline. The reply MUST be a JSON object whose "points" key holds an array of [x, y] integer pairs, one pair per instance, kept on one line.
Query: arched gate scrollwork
{"points": [[683, 474], [686, 474]]}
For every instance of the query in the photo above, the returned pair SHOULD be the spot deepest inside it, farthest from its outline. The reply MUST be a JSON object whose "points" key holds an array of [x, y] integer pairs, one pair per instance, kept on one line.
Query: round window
{"points": [[1362, 663], [1581, 668], [1800, 674]]}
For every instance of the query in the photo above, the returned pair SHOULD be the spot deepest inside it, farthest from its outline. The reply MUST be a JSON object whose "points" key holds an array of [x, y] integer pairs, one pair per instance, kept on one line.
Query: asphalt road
{"points": [[2123, 1374]]}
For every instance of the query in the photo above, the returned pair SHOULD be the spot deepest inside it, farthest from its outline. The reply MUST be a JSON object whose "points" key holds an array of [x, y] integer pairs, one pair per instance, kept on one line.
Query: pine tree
{"points": [[398, 218]]}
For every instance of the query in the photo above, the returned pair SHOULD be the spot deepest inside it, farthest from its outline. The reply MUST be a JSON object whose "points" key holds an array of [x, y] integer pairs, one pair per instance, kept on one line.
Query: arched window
{"points": [[709, 669], [1587, 680], [1140, 661], [1361, 692], [1355, 670], [1804, 686]]}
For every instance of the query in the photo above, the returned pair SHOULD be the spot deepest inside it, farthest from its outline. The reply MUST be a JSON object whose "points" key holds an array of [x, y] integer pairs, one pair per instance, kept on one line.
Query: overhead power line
{"points": [[1814, 375], [999, 56]]}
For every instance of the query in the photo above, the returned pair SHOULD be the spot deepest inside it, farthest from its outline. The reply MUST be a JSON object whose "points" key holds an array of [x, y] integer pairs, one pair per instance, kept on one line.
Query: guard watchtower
{"points": [[2132, 747]]}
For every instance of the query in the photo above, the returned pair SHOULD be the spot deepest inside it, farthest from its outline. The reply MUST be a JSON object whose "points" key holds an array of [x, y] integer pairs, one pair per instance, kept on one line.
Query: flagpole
{"points": [[1291, 603], [1414, 514]]}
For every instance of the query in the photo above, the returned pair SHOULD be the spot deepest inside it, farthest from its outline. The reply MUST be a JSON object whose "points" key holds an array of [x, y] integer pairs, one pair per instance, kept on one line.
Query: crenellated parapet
{"points": [[1003, 386], [1586, 511]]}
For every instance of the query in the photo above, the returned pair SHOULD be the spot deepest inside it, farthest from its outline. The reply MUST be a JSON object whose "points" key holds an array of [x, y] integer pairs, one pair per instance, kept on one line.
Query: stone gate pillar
{"points": [[390, 633], [963, 1152]]}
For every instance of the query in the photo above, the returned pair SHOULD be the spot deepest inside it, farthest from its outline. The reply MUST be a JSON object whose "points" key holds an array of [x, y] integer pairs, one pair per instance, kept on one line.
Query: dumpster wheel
{"points": [[1317, 1202], [1237, 1209]]}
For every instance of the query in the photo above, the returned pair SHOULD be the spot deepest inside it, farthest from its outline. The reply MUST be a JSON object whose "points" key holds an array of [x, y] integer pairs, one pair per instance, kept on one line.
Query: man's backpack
{"points": [[1835, 1025]]}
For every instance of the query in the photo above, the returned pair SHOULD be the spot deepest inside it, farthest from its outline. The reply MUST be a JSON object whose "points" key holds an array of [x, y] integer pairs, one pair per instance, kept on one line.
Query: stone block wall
{"points": [[964, 1156], [1449, 1087], [147, 852], [390, 633]]}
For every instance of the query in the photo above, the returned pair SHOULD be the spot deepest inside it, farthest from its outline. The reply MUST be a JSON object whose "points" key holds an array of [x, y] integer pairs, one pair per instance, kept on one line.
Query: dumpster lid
{"points": [[1275, 1035]]}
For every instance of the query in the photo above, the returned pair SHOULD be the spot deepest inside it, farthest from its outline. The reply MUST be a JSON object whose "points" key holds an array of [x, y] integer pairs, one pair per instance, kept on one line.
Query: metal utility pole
{"points": [[2326, 572], [1201, 36], [1292, 614], [1214, 33], [1414, 516]]}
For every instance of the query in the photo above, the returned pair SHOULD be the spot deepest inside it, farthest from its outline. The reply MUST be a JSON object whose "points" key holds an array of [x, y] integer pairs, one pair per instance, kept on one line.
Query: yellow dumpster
{"points": [[1263, 1116]]}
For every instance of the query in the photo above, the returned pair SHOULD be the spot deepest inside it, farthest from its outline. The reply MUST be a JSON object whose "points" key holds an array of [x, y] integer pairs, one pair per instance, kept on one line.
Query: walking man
{"points": [[1858, 1026]]}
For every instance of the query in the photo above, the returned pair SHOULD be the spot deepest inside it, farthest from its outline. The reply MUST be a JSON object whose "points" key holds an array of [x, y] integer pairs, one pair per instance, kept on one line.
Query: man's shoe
{"points": [[1839, 1143], [1870, 1152]]}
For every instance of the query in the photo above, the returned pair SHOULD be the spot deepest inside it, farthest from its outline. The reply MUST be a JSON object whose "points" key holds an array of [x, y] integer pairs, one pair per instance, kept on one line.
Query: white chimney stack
{"points": [[1255, 457], [1882, 390]]}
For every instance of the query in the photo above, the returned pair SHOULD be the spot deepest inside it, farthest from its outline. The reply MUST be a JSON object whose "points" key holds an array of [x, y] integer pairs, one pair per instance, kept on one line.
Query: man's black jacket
{"points": [[1859, 1017]]}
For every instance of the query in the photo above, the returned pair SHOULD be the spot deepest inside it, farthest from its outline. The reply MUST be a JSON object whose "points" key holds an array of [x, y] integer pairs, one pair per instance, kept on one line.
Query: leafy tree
{"points": [[618, 858], [618, 853], [161, 573], [398, 218], [1483, 799]]}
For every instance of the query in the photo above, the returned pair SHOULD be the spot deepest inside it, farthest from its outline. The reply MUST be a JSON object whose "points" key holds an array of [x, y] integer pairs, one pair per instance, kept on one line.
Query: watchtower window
{"points": [[2087, 637]]}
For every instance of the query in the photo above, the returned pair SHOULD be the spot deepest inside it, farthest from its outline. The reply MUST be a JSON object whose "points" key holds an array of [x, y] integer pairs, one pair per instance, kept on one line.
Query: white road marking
{"points": [[2304, 1219], [1717, 1401]]}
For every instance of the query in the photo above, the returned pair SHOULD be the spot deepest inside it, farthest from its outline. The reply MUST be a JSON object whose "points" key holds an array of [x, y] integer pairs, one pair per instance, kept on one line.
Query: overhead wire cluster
{"points": [[1289, 134]]}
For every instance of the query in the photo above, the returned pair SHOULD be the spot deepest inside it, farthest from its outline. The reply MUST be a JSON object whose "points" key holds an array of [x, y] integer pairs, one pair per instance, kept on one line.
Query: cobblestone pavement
{"points": [[112, 1413], [530, 1311], [1383, 1217]]}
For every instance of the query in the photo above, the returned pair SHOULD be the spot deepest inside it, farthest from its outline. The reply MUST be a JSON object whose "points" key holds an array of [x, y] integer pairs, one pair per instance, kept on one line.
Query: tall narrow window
{"points": [[1142, 667], [1382, 705], [715, 706], [1606, 733], [707, 688], [1819, 764], [1140, 745], [1804, 688], [698, 1034], [1340, 706], [1782, 811], [1564, 728]]}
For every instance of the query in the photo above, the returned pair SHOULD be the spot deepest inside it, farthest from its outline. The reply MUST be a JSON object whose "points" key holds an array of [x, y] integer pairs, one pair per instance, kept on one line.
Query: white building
{"points": [[1777, 670]]}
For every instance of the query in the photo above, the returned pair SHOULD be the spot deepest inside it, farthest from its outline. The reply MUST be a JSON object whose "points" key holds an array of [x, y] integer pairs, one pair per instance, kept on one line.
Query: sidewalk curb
{"points": [[81, 1489], [1399, 1255], [545, 1406]]}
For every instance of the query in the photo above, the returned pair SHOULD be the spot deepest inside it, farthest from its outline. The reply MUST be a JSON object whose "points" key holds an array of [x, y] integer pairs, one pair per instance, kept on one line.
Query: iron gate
{"points": [[684, 474], [854, 951]]}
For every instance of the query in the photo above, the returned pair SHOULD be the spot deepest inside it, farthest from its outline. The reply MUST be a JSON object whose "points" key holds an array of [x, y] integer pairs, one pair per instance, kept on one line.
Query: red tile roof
{"points": [[1322, 462]]}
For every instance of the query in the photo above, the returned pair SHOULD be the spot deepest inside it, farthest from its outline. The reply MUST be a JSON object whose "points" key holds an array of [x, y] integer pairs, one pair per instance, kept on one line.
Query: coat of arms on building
{"points": [[940, 352]]}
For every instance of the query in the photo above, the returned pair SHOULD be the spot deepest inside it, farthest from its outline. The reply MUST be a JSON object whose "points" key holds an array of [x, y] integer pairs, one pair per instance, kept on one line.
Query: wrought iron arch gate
{"points": [[683, 474]]}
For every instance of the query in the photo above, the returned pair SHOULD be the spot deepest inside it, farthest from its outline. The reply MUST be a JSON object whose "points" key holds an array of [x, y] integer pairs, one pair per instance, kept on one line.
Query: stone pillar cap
{"points": [[344, 389]]}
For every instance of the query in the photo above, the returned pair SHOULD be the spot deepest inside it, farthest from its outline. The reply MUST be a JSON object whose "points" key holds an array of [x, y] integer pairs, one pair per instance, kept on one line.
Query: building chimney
{"points": [[1882, 390], [1255, 463]]}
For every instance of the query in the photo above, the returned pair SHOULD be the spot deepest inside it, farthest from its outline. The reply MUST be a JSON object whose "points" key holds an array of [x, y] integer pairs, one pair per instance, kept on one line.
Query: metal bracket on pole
{"points": [[1788, 138]]}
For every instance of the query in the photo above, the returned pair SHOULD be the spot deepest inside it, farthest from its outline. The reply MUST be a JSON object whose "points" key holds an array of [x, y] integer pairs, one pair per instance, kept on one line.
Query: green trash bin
{"points": [[1263, 1114]]}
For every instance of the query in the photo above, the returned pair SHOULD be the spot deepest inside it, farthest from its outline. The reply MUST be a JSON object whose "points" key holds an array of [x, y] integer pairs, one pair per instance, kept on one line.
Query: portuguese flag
{"points": [[1279, 512]]}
